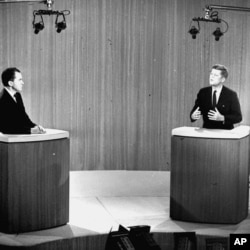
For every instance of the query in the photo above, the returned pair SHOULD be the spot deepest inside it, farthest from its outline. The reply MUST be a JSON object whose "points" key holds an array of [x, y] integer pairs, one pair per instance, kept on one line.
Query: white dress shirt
{"points": [[11, 93]]}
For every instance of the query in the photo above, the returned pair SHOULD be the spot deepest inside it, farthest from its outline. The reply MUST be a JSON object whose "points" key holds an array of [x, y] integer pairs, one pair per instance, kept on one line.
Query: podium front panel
{"points": [[34, 185], [209, 179]]}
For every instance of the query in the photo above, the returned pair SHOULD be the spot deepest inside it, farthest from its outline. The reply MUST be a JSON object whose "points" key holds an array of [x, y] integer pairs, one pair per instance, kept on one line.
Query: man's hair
{"points": [[223, 70], [9, 75]]}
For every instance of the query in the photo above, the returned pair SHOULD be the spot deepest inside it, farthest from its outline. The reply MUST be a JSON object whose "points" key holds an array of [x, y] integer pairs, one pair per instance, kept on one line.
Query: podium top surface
{"points": [[51, 134], [236, 133]]}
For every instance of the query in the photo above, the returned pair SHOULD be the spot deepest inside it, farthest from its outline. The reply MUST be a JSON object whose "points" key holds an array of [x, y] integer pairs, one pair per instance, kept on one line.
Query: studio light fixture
{"points": [[193, 30], [38, 22], [217, 34], [39, 25], [60, 25], [212, 17]]}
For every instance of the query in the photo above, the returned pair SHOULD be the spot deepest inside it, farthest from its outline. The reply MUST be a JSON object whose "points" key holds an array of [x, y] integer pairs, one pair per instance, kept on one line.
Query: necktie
{"points": [[214, 99], [18, 99]]}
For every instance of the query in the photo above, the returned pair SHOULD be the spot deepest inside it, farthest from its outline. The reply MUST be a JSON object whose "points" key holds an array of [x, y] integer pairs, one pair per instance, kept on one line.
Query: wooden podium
{"points": [[34, 181], [209, 175]]}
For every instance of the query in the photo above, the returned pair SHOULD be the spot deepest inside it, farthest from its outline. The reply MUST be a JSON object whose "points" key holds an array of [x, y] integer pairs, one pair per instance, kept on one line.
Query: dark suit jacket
{"points": [[228, 105], [13, 118]]}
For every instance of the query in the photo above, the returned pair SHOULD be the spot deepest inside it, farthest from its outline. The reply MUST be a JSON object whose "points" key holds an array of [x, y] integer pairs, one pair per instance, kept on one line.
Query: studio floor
{"points": [[100, 201]]}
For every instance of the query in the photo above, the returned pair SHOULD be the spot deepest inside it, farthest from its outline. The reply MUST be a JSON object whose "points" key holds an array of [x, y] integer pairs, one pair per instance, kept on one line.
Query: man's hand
{"points": [[215, 115], [38, 130], [196, 114]]}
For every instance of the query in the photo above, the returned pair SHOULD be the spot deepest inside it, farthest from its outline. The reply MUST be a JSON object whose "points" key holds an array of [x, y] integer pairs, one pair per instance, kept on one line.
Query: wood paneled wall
{"points": [[123, 74]]}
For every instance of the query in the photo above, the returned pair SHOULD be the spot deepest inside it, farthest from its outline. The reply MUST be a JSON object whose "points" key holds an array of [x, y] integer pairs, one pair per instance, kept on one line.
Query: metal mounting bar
{"points": [[214, 20], [221, 7], [51, 12]]}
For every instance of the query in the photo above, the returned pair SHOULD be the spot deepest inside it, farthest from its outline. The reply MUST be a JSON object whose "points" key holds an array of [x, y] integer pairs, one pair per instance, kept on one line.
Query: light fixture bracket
{"points": [[51, 12], [202, 19]]}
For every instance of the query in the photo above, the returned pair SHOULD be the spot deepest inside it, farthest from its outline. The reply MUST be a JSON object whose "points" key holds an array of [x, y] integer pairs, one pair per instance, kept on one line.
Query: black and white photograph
{"points": [[124, 124]]}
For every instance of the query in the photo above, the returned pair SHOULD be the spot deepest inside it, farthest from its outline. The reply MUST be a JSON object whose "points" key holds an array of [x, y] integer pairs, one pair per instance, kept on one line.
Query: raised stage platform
{"points": [[101, 200]]}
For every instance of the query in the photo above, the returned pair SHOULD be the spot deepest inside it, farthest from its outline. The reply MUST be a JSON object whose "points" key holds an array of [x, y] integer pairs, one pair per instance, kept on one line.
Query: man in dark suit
{"points": [[13, 117], [216, 104]]}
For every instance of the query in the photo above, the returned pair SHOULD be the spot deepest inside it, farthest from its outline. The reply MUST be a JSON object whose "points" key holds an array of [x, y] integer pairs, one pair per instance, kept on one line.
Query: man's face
{"points": [[17, 83], [215, 78]]}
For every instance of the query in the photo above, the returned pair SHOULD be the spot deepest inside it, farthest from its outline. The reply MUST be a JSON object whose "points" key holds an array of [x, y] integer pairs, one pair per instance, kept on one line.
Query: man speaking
{"points": [[216, 104]]}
